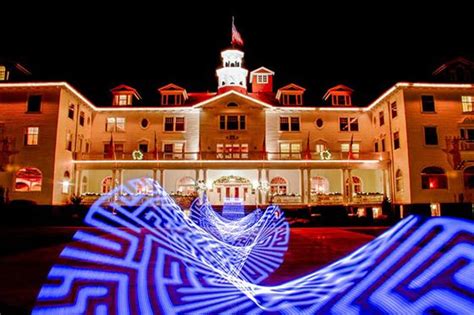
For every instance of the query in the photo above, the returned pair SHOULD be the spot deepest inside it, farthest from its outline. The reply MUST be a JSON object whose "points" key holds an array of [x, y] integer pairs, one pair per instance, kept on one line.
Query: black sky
{"points": [[368, 46]]}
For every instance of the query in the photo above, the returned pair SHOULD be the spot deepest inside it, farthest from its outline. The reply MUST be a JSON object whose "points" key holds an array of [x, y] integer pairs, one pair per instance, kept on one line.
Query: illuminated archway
{"points": [[106, 185], [28, 179], [278, 186], [319, 185], [434, 177]]}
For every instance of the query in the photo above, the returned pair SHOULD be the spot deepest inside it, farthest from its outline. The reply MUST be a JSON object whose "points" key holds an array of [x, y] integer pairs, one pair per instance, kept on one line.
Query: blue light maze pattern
{"points": [[150, 258]]}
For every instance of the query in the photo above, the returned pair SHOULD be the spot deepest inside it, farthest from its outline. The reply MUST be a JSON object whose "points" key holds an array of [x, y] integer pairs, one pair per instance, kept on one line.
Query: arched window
{"points": [[434, 178], [144, 186], [66, 182], [3, 73], [278, 186], [469, 177], [84, 185], [28, 179], [356, 185], [186, 185], [399, 180], [319, 185], [106, 184]]}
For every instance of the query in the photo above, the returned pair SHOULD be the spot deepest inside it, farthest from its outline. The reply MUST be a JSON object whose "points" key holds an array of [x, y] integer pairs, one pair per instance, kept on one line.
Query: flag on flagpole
{"points": [[350, 155], [111, 153], [236, 38], [155, 148], [308, 150]]}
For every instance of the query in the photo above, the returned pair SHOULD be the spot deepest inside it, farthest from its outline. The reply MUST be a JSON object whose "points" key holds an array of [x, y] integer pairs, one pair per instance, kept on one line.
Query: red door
{"points": [[227, 192], [236, 192]]}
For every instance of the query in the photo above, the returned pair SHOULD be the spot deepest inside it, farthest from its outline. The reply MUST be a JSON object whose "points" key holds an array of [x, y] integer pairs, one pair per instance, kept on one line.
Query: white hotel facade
{"points": [[248, 140]]}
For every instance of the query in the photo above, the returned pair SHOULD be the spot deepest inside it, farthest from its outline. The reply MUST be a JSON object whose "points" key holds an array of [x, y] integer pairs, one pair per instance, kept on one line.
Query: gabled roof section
{"points": [[453, 62], [338, 88], [125, 88], [292, 88], [172, 88], [261, 70], [231, 92]]}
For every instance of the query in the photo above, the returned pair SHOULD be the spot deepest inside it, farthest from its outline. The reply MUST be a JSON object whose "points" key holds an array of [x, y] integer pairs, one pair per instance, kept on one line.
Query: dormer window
{"points": [[172, 94], [3, 73], [124, 99], [172, 99], [340, 95], [292, 99], [123, 95], [291, 94]]}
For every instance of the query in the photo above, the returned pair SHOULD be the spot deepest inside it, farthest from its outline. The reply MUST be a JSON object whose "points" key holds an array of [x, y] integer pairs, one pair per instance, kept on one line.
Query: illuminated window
{"points": [[394, 110], [124, 99], [278, 186], [262, 78], [433, 178], [319, 185], [3, 73], [110, 124], [427, 103], [232, 122], [174, 124], [70, 111], [381, 118], [345, 147], [348, 124], [290, 150], [232, 151], [173, 150], [320, 147], [34, 104], [399, 181], [467, 102], [68, 141], [28, 179], [396, 140], [31, 136], [106, 186], [82, 118], [120, 124], [186, 185], [431, 135]]}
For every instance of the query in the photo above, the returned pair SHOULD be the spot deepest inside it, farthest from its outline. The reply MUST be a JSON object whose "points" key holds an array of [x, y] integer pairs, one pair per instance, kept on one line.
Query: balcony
{"points": [[213, 155]]}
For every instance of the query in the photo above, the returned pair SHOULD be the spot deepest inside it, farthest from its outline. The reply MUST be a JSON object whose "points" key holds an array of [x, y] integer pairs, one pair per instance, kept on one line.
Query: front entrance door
{"points": [[232, 188]]}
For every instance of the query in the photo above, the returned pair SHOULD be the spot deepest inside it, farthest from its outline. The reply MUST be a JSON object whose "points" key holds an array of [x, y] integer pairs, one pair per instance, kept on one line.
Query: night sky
{"points": [[368, 47]]}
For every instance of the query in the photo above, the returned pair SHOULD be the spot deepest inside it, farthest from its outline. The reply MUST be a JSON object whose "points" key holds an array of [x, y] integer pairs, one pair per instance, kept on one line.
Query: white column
{"points": [[259, 192], [162, 178], [155, 171], [350, 190], [344, 189], [302, 185], [308, 184], [77, 182]]}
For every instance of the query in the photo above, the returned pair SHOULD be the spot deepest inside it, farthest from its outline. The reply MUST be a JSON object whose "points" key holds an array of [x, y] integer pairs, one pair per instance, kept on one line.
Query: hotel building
{"points": [[248, 140]]}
